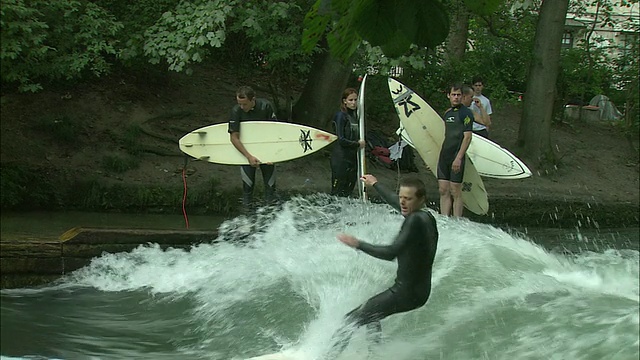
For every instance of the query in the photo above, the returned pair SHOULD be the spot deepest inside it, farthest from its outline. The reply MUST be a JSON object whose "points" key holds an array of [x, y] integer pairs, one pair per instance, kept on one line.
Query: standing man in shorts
{"points": [[249, 107], [458, 122]]}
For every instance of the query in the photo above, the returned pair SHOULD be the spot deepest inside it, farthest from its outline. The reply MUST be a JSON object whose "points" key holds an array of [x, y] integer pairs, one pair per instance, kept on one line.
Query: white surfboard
{"points": [[425, 132], [269, 141], [362, 189], [490, 159]]}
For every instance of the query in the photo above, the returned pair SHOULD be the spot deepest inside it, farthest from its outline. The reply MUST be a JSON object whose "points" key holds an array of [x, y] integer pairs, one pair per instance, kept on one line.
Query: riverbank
{"points": [[112, 146]]}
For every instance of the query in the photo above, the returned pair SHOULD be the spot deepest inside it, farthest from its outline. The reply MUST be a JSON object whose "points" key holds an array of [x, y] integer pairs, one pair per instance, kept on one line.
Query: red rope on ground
{"points": [[184, 197]]}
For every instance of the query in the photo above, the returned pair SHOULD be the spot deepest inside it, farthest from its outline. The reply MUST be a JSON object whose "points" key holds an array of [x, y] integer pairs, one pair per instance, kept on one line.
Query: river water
{"points": [[282, 281]]}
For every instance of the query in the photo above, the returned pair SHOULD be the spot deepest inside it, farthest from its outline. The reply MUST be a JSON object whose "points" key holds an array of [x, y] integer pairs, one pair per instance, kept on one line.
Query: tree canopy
{"points": [[42, 42]]}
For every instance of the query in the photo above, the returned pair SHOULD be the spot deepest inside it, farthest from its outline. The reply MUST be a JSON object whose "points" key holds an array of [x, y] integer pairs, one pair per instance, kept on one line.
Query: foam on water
{"points": [[281, 280]]}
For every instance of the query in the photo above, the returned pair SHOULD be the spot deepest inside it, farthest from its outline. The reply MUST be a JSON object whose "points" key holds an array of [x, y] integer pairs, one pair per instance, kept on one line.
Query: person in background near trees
{"points": [[458, 122], [414, 248], [344, 157], [481, 107], [249, 107], [467, 100]]}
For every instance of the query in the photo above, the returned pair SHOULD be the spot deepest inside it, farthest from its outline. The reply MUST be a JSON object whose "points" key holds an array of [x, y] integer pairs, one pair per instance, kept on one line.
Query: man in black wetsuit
{"points": [[414, 247], [458, 122], [251, 108]]}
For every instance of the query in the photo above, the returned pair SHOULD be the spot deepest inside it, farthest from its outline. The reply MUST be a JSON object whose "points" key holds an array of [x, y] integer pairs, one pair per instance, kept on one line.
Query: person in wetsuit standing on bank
{"points": [[414, 247], [249, 107], [344, 157]]}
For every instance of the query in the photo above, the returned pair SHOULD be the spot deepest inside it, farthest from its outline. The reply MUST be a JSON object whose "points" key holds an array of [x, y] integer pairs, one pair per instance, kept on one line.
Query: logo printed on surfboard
{"points": [[305, 140], [466, 186], [406, 103], [398, 91]]}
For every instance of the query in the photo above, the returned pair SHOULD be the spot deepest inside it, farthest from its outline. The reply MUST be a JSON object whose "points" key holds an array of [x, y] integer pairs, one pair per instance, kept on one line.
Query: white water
{"points": [[495, 296]]}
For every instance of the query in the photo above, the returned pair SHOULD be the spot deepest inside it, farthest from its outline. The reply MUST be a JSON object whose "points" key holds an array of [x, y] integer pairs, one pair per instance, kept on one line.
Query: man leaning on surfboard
{"points": [[249, 107]]}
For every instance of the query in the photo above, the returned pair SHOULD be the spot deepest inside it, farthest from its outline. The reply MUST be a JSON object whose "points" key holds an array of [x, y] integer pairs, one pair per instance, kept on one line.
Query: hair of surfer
{"points": [[466, 90], [345, 95], [414, 182], [245, 92], [455, 86]]}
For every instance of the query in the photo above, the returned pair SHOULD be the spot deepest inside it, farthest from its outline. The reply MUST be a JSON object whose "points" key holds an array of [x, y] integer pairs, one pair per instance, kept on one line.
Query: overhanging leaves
{"points": [[394, 25]]}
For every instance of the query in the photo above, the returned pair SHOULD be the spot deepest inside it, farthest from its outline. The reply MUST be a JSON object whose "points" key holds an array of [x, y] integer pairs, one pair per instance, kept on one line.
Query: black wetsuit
{"points": [[263, 110], [457, 120], [344, 157], [415, 249]]}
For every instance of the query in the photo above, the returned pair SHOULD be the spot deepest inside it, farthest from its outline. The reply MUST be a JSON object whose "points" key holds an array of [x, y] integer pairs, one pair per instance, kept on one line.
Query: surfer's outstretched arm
{"points": [[385, 252], [387, 195]]}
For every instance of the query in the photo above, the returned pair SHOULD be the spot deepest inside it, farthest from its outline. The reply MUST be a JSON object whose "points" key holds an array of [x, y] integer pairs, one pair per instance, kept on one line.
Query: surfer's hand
{"points": [[368, 179], [456, 165], [362, 143], [253, 161], [348, 240]]}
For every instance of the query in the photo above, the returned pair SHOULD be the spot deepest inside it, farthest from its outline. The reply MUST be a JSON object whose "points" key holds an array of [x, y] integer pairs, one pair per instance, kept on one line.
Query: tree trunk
{"points": [[458, 31], [535, 128], [321, 95]]}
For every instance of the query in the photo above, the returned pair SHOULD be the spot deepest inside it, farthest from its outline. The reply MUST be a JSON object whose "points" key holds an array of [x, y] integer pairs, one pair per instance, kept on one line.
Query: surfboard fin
{"points": [[204, 158]]}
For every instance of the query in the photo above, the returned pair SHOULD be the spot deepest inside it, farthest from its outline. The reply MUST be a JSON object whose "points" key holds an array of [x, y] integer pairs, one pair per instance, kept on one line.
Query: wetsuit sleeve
{"points": [[387, 195], [234, 121], [341, 121], [390, 252], [468, 120]]}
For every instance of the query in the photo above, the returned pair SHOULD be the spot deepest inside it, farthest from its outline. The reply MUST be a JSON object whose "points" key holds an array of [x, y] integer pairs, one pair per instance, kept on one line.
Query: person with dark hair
{"points": [[344, 157], [480, 115], [458, 121], [249, 107], [414, 248], [481, 107]]}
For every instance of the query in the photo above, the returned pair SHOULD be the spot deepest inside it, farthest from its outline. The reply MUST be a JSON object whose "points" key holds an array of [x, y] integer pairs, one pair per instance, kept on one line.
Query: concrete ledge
{"points": [[138, 236], [29, 261]]}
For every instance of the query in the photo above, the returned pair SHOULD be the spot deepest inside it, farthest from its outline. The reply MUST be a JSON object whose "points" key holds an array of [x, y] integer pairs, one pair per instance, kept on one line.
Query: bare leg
{"points": [[458, 204], [444, 187]]}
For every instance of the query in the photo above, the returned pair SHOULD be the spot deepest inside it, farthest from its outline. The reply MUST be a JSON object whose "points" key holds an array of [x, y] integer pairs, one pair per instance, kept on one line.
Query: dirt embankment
{"points": [[121, 133]]}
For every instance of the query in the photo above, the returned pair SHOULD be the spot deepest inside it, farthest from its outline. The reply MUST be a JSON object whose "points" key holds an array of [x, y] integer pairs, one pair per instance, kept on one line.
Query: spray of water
{"points": [[280, 280]]}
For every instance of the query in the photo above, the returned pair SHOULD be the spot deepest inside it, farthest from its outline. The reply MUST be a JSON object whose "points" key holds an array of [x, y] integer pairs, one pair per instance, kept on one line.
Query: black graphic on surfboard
{"points": [[305, 140]]}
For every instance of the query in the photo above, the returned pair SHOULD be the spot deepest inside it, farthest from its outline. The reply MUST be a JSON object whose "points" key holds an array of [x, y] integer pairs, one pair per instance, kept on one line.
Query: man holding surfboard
{"points": [[458, 122], [249, 107], [414, 248]]}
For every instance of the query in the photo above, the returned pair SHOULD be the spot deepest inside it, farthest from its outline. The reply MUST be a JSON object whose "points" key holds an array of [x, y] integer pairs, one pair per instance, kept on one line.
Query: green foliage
{"points": [[180, 36], [483, 7], [501, 52], [577, 82], [381, 23], [51, 40], [273, 31], [626, 80], [136, 17]]}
